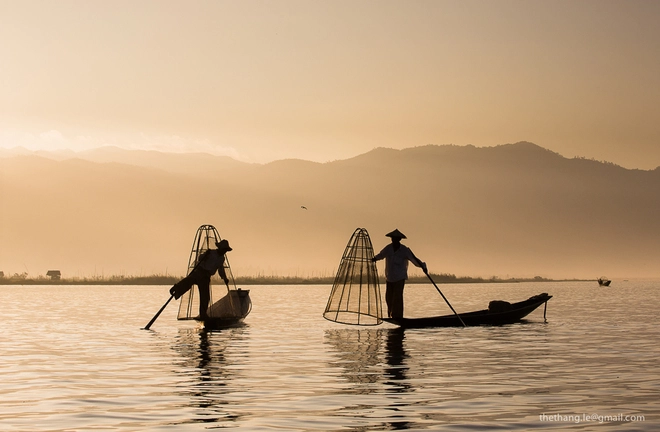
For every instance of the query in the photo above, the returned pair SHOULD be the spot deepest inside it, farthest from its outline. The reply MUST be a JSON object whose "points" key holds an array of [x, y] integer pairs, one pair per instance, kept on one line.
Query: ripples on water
{"points": [[75, 358]]}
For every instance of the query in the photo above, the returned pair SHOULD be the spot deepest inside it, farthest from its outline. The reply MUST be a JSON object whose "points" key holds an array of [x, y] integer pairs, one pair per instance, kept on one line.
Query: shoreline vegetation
{"points": [[442, 278]]}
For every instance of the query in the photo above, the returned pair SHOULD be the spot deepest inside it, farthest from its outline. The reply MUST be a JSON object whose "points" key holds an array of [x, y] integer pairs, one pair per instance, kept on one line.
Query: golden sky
{"points": [[325, 80]]}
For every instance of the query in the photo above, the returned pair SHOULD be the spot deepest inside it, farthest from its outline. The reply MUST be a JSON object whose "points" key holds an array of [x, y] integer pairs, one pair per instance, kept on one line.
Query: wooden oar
{"points": [[157, 314], [443, 296]]}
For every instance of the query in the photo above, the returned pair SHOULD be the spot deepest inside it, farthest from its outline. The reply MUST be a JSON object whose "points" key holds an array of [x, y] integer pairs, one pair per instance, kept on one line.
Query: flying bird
{"points": [[303, 207]]}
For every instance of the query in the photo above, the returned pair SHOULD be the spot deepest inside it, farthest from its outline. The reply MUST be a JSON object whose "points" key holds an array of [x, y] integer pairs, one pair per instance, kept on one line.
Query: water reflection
{"points": [[206, 362], [374, 359], [357, 353], [396, 360]]}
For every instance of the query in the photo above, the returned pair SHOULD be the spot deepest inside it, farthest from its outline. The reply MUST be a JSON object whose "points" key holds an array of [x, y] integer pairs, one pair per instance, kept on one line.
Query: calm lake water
{"points": [[74, 358]]}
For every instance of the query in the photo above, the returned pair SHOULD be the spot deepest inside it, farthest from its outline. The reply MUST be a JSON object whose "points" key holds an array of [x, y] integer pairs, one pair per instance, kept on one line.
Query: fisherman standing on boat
{"points": [[208, 263], [396, 271]]}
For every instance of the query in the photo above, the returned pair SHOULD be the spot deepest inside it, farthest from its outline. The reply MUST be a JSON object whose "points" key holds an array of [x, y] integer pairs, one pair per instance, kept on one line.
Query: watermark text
{"points": [[591, 418]]}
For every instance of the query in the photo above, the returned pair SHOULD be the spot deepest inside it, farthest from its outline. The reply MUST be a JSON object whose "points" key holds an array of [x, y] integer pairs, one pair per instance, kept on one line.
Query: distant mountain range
{"points": [[511, 210]]}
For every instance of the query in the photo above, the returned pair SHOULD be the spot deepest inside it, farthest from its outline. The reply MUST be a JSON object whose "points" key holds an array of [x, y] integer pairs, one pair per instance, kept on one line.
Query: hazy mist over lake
{"points": [[510, 210]]}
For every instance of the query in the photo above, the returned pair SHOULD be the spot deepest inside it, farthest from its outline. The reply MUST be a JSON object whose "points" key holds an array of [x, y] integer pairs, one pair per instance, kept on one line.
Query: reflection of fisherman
{"points": [[396, 271], [208, 263], [396, 359]]}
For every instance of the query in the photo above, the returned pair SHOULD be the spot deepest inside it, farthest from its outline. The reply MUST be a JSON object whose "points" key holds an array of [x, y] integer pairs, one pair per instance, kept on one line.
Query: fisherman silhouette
{"points": [[209, 262], [396, 257]]}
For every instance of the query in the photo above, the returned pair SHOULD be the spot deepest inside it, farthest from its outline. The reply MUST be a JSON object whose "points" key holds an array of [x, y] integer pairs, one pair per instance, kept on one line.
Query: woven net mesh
{"points": [[225, 302], [355, 296]]}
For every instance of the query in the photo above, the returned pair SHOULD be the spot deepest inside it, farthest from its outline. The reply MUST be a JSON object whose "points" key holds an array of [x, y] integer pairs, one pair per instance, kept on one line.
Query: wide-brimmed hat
{"points": [[396, 234], [223, 244]]}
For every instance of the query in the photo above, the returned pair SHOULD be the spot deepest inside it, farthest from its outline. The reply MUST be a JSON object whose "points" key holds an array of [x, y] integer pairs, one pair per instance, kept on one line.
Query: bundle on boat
{"points": [[355, 295], [228, 305]]}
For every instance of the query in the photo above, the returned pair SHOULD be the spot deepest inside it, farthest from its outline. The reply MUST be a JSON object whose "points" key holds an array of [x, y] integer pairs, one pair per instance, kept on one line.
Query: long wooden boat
{"points": [[498, 313]]}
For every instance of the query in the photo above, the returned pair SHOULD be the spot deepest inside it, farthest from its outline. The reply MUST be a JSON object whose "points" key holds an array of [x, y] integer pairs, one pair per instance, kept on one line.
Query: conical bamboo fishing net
{"points": [[225, 302], [355, 296]]}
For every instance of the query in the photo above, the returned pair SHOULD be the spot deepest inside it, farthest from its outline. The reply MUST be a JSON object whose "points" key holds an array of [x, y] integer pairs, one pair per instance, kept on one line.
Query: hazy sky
{"points": [[324, 80]]}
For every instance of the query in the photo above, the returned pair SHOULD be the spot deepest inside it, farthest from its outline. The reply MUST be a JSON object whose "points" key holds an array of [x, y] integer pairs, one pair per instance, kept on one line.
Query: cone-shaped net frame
{"points": [[224, 302], [355, 296]]}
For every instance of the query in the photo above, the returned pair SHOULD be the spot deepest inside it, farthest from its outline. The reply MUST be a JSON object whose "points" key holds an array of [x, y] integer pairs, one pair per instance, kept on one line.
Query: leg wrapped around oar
{"points": [[181, 287]]}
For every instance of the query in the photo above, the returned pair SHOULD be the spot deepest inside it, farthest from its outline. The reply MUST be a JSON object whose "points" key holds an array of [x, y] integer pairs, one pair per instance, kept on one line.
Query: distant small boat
{"points": [[498, 313], [603, 281]]}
